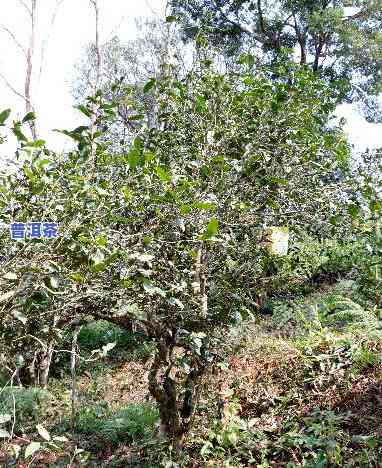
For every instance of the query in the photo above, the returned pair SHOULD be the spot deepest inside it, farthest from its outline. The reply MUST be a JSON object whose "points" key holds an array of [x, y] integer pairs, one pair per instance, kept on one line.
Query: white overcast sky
{"points": [[74, 28]]}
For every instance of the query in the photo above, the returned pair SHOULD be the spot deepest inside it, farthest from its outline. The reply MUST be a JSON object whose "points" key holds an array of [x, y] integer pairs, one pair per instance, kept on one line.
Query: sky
{"points": [[73, 30]]}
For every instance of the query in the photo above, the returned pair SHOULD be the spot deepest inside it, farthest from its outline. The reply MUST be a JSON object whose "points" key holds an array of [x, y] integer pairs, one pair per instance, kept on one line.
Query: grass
{"points": [[30, 405], [135, 422]]}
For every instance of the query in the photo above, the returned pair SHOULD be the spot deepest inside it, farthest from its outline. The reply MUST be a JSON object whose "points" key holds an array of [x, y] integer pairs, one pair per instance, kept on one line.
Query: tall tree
{"points": [[157, 49], [338, 39]]}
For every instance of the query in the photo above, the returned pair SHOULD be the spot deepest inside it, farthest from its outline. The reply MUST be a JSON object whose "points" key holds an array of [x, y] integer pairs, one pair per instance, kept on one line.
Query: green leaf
{"points": [[163, 175], [35, 144], [149, 156], [201, 104], [372, 442], [84, 110], [101, 191], [133, 309], [4, 115], [186, 209], [77, 277], [32, 448], [80, 129], [101, 241], [136, 117], [375, 205], [153, 290], [133, 158], [40, 164], [212, 229], [149, 85], [232, 437], [246, 59], [138, 143], [171, 19], [335, 220], [353, 210], [28, 117], [18, 133], [207, 206]]}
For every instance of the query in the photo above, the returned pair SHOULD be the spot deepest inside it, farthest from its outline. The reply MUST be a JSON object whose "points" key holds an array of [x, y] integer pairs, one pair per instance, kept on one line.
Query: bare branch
{"points": [[114, 30], [47, 38], [94, 113], [19, 45], [26, 7], [29, 68], [14, 90]]}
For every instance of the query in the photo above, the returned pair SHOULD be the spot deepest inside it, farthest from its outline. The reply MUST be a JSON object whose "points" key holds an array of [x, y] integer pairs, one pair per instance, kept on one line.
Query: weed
{"points": [[135, 422], [30, 404]]}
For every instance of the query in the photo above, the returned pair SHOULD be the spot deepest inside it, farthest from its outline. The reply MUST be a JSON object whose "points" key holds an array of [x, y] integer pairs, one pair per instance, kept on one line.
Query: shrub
{"points": [[135, 422], [89, 419], [30, 403], [99, 333]]}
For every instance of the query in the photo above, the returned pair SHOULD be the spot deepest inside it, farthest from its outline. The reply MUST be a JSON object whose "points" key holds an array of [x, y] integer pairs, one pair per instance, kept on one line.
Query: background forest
{"points": [[164, 326]]}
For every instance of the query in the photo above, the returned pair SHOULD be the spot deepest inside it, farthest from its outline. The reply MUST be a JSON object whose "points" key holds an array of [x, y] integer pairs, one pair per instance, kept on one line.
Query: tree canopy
{"points": [[337, 39]]}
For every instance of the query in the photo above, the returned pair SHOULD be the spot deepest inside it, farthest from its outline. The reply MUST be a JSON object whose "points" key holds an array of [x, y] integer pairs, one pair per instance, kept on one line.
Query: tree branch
{"points": [[238, 25], [46, 40], [301, 41], [26, 7], [261, 17], [11, 87], [14, 39]]}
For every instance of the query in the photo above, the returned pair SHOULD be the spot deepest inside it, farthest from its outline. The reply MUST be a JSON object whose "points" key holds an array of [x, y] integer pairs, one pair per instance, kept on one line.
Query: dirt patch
{"points": [[362, 405], [128, 384]]}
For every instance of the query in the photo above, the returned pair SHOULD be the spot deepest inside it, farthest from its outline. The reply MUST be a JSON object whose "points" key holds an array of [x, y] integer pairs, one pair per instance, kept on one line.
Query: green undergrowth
{"points": [[114, 426], [102, 344], [302, 386], [300, 389], [27, 406]]}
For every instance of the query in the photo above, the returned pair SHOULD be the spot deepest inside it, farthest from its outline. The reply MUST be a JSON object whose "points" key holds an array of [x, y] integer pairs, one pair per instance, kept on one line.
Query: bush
{"points": [[89, 419], [135, 422], [99, 333], [341, 308], [30, 403]]}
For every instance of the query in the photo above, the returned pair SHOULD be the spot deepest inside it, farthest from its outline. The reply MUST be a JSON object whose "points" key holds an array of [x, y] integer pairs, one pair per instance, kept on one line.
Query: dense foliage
{"points": [[339, 40], [168, 238]]}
